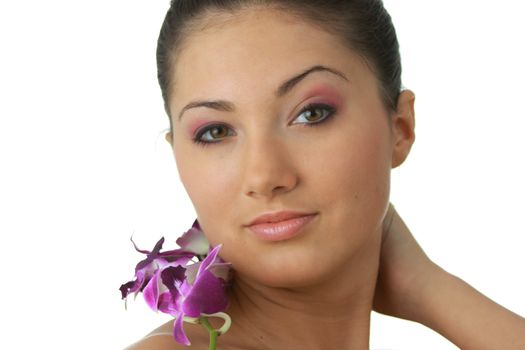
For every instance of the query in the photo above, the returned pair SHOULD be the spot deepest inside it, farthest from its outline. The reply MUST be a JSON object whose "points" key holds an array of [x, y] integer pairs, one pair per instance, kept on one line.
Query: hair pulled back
{"points": [[363, 25]]}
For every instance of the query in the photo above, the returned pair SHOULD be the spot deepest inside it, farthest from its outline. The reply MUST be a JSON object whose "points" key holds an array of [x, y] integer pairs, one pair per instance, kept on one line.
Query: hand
{"points": [[404, 269], [412, 287]]}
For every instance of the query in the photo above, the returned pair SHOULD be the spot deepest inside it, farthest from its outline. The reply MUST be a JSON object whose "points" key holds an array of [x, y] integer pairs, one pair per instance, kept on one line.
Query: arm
{"points": [[412, 287], [468, 318]]}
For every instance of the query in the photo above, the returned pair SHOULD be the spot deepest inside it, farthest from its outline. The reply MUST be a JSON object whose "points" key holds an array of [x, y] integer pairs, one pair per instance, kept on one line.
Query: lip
{"points": [[277, 217], [280, 226]]}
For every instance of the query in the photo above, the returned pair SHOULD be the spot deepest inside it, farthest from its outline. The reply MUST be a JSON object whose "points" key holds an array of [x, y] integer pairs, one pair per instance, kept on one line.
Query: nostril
{"points": [[279, 189]]}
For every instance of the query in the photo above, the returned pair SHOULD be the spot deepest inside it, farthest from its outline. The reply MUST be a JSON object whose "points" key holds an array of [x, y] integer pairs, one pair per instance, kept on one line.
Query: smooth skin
{"points": [[412, 287], [428, 295], [315, 291]]}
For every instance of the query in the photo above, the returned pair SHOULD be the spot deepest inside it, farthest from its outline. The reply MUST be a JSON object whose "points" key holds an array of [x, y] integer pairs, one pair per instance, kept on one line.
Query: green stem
{"points": [[213, 332]]}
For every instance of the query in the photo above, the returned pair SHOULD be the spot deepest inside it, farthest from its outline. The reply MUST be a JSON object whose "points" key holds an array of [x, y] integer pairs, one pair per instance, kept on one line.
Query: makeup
{"points": [[282, 230]]}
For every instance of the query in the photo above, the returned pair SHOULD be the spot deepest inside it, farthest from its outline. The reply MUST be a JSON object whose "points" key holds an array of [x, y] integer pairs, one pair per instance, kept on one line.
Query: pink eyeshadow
{"points": [[196, 125], [320, 94], [325, 93]]}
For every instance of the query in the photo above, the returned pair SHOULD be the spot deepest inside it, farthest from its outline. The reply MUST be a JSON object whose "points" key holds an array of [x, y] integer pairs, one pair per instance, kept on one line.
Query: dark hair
{"points": [[364, 25]]}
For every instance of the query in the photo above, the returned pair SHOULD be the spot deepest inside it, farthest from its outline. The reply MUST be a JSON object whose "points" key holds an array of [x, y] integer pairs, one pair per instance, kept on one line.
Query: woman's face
{"points": [[268, 155]]}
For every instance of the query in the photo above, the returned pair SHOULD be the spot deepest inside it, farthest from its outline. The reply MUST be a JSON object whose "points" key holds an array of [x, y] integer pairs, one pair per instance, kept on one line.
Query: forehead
{"points": [[251, 52]]}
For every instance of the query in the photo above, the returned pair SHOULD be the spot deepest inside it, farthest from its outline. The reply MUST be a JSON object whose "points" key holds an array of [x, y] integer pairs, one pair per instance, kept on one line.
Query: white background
{"points": [[84, 164]]}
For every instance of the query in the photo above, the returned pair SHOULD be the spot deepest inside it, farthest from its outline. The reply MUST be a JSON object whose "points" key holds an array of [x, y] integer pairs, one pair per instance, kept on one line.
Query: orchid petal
{"points": [[172, 278], [142, 280], [145, 274], [172, 275], [137, 249], [185, 288], [176, 254], [151, 292], [210, 259], [162, 263], [126, 288], [178, 331], [194, 240], [191, 272], [151, 255], [134, 286], [168, 303], [196, 225], [221, 270], [207, 295]]}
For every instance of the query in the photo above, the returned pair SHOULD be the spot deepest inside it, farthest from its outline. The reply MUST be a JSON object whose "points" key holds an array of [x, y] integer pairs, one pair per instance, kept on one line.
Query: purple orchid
{"points": [[193, 243], [146, 268], [173, 283], [194, 240], [172, 292]]}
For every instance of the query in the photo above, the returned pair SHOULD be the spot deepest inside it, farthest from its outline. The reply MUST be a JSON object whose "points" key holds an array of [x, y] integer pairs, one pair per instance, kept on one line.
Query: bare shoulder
{"points": [[156, 342], [161, 338]]}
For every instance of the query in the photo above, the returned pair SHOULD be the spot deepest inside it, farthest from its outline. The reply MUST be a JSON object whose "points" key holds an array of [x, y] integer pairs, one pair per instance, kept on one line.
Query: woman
{"points": [[295, 108]]}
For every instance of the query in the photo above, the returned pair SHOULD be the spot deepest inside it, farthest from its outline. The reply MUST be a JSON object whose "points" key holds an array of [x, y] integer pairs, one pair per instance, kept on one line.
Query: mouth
{"points": [[278, 217], [282, 229]]}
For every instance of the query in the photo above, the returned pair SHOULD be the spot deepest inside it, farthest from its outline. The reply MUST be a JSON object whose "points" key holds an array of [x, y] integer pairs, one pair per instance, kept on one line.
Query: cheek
{"points": [[354, 184], [358, 161], [210, 185], [364, 168]]}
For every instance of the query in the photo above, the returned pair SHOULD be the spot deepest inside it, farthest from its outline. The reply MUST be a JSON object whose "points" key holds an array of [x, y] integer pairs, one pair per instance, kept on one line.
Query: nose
{"points": [[269, 168]]}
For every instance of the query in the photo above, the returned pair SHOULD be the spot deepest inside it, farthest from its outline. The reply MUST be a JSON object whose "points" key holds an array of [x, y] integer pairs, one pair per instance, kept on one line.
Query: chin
{"points": [[291, 268]]}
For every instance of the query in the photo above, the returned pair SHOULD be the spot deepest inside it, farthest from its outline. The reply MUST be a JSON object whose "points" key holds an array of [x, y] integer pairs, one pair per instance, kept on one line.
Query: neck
{"points": [[333, 314]]}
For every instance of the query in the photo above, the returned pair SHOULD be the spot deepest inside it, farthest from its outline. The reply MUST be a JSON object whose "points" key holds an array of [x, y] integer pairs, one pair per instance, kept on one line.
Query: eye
{"points": [[213, 133], [315, 114]]}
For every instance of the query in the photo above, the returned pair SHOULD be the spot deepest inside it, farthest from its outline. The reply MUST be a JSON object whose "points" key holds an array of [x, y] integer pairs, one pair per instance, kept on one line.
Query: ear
{"points": [[403, 124], [169, 138]]}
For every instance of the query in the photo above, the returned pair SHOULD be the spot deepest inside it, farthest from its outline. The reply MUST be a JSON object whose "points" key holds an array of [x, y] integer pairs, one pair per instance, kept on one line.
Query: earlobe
{"points": [[169, 138], [403, 125]]}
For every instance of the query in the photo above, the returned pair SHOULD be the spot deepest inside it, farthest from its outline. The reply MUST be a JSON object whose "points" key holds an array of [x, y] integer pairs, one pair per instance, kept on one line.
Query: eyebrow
{"points": [[282, 90]]}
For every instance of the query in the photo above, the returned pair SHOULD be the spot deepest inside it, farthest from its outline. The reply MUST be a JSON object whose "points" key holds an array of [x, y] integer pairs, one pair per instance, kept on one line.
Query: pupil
{"points": [[216, 133], [309, 114]]}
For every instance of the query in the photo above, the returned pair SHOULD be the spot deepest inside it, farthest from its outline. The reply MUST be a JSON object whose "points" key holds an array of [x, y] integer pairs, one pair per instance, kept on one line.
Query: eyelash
{"points": [[330, 113]]}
